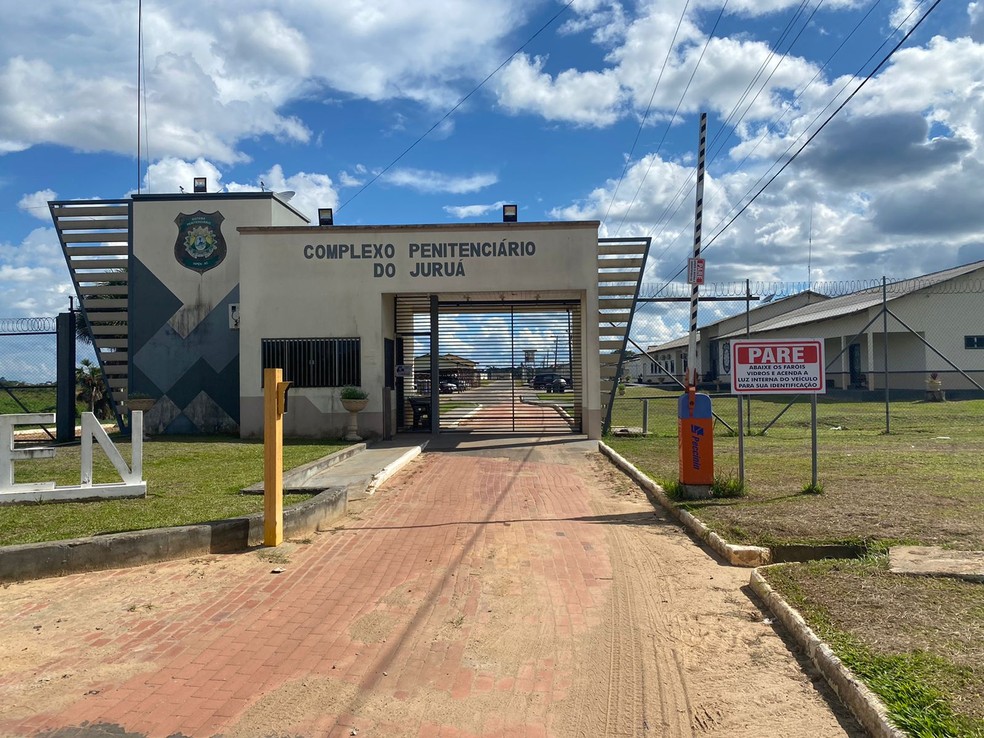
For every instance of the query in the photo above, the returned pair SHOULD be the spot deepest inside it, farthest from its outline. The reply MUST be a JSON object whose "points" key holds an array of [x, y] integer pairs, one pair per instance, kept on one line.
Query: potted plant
{"points": [[354, 399]]}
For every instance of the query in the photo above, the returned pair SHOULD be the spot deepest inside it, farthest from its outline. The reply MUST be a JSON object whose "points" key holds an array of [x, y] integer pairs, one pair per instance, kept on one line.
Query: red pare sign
{"points": [[781, 354], [695, 271], [778, 366]]}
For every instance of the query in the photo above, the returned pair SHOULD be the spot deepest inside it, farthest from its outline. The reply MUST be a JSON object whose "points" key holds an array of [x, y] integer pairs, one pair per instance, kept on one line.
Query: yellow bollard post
{"points": [[274, 406]]}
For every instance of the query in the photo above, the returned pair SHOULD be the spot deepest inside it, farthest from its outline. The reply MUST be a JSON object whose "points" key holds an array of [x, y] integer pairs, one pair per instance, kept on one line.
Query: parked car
{"points": [[558, 385], [447, 387], [544, 380]]}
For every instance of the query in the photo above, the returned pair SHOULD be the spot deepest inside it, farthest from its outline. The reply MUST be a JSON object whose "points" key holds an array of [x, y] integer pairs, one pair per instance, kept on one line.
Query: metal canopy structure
{"points": [[95, 239], [621, 265]]}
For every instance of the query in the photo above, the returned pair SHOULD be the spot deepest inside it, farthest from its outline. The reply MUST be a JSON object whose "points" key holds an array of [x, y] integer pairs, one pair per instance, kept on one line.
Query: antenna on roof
{"points": [[139, 82], [286, 195]]}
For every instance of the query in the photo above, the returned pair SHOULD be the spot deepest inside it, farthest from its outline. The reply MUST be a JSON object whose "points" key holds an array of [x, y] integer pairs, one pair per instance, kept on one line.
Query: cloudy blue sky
{"points": [[595, 117]]}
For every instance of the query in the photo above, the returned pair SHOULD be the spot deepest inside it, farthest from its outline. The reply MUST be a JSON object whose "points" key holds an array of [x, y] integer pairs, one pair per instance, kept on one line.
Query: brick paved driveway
{"points": [[491, 588]]}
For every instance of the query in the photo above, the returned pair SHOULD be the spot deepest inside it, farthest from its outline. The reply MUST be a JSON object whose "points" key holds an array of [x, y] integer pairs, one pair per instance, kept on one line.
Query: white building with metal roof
{"points": [[898, 333]]}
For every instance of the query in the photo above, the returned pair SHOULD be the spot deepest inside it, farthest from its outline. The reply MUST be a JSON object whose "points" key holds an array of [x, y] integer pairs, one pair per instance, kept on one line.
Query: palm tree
{"points": [[91, 389], [83, 331]]}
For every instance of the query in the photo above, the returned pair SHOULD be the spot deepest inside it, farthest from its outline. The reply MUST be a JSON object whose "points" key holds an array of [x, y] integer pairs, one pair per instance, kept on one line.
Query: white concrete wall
{"points": [[330, 283], [155, 230], [183, 351]]}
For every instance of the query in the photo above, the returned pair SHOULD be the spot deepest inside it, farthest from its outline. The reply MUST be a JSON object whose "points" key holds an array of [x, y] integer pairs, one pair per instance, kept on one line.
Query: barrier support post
{"points": [[274, 407], [695, 433]]}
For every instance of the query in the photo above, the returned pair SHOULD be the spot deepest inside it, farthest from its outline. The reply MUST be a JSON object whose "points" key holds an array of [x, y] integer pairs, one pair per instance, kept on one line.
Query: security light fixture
{"points": [[509, 213], [325, 217], [200, 184]]}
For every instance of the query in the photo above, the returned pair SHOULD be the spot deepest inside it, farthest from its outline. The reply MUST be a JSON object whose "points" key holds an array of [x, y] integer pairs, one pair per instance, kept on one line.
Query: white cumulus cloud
{"points": [[311, 190], [585, 98], [472, 211], [35, 204], [428, 181]]}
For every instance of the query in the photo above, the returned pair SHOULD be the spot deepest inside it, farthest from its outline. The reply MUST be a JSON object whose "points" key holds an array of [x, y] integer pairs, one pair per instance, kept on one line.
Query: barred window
{"points": [[315, 362], [974, 342]]}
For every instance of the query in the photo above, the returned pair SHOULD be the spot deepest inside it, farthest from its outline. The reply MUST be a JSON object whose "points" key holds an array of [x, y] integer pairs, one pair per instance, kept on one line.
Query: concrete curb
{"points": [[865, 705], [749, 556], [133, 548], [392, 468], [297, 477], [565, 416]]}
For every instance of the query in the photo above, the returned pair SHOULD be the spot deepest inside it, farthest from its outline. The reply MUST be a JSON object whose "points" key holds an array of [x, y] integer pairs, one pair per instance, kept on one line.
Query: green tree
{"points": [[92, 390]]}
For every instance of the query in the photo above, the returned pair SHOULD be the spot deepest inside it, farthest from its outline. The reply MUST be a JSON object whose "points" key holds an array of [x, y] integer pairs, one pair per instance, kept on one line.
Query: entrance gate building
{"points": [[493, 327], [431, 308]]}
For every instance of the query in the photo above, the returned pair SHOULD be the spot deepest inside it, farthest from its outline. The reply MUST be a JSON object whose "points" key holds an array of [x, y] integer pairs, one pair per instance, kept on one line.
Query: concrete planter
{"points": [[354, 407]]}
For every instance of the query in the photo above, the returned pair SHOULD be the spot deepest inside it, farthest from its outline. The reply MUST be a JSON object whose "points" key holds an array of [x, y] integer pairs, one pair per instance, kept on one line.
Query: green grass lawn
{"points": [[189, 480], [917, 642], [457, 405], [919, 484], [35, 399]]}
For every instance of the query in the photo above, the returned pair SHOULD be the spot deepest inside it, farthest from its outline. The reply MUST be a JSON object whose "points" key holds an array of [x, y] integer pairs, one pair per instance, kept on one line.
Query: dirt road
{"points": [[492, 589]]}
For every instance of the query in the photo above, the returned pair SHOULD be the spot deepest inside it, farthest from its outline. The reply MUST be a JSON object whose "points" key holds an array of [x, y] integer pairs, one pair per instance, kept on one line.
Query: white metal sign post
{"points": [[788, 366]]}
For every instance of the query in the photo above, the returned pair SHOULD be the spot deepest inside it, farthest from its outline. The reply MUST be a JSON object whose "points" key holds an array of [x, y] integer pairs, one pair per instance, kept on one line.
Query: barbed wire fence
{"points": [[28, 364], [888, 344]]}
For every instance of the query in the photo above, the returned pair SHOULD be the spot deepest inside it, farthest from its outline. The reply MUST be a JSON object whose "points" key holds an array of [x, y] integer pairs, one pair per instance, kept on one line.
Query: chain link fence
{"points": [[896, 351], [28, 364]]}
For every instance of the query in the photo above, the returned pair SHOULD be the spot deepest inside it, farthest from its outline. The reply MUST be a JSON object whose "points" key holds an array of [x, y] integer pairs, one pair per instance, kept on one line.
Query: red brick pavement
{"points": [[514, 415], [452, 608]]}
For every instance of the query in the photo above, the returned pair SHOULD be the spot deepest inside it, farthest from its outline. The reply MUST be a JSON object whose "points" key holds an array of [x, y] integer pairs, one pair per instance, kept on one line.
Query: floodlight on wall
{"points": [[325, 217], [509, 213], [200, 184]]}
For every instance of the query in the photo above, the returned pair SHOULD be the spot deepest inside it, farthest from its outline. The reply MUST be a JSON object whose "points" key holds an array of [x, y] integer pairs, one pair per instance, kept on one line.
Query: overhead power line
{"points": [[793, 103], [823, 125], [457, 105], [687, 186], [645, 117], [868, 77], [669, 125]]}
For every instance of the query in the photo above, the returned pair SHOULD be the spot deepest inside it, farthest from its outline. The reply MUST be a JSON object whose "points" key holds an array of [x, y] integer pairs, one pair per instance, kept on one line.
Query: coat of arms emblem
{"points": [[200, 245]]}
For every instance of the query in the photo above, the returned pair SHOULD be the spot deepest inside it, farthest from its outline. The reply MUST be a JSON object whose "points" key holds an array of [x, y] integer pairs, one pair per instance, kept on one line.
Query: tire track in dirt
{"points": [[647, 556], [631, 681], [624, 672], [661, 683], [705, 658]]}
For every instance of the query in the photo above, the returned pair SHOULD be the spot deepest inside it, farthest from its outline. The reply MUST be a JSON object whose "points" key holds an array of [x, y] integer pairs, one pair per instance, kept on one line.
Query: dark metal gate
{"points": [[501, 366]]}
